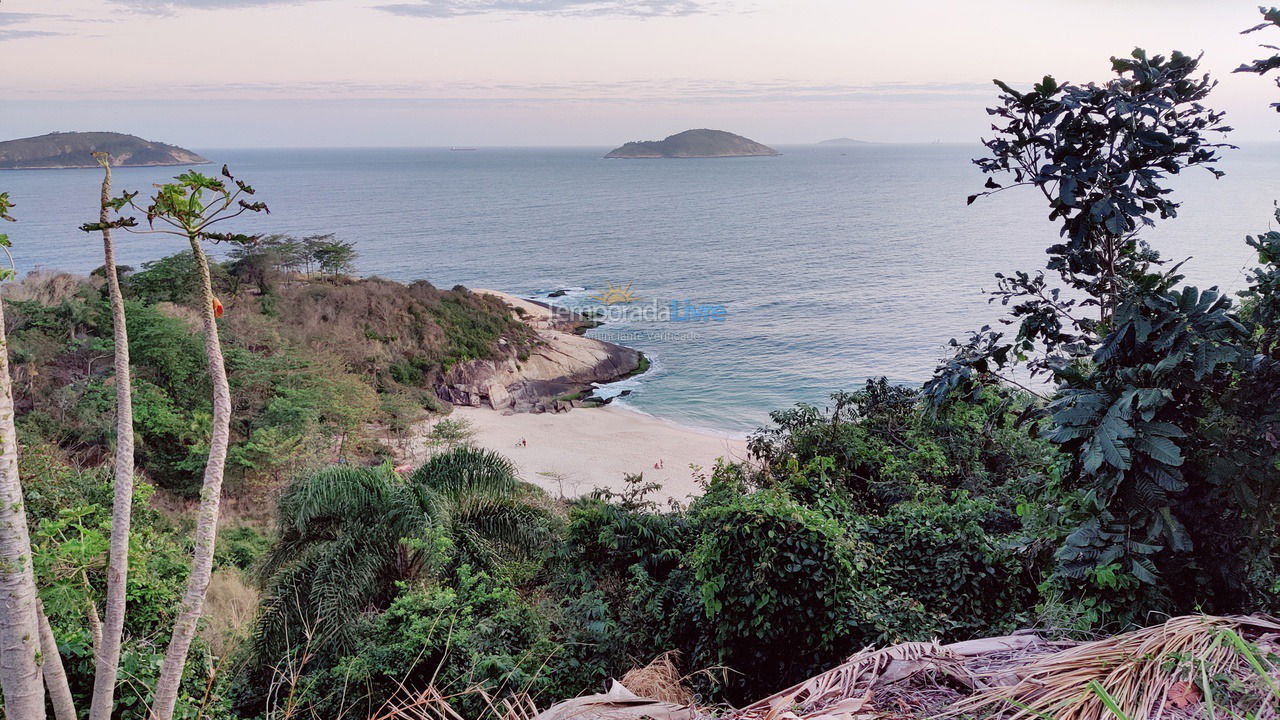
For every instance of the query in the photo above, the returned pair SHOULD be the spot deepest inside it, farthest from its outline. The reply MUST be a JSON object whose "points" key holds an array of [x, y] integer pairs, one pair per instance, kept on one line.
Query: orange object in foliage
{"points": [[217, 308]]}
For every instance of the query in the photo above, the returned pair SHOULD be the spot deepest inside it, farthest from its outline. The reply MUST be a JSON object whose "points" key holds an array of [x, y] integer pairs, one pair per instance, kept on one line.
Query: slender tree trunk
{"points": [[107, 652], [20, 676], [55, 676], [91, 615], [184, 628]]}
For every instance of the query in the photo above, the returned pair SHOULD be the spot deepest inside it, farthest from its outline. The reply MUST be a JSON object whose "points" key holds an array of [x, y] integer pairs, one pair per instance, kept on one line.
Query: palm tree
{"points": [[348, 535], [20, 673]]}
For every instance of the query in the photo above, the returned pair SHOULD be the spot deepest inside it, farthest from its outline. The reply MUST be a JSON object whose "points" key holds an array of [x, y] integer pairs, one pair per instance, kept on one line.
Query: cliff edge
{"points": [[549, 376]]}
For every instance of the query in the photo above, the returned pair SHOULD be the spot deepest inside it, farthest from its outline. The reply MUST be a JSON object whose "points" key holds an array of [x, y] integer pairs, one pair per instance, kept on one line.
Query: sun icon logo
{"points": [[615, 295]]}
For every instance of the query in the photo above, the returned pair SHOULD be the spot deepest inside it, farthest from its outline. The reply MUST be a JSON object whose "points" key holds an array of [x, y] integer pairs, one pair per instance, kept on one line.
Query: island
{"points": [[844, 141], [75, 150], [694, 144]]}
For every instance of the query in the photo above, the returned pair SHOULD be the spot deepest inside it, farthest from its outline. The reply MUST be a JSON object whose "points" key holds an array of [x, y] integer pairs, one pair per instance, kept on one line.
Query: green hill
{"points": [[694, 144], [75, 150]]}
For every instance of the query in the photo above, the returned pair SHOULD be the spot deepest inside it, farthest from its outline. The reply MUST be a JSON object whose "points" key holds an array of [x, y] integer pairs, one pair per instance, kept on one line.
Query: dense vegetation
{"points": [[1114, 457], [776, 571], [311, 358]]}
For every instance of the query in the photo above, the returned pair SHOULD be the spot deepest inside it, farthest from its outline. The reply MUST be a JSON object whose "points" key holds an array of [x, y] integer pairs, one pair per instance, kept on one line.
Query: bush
{"points": [[970, 582], [780, 585], [69, 512], [884, 448], [628, 595], [171, 279], [475, 632]]}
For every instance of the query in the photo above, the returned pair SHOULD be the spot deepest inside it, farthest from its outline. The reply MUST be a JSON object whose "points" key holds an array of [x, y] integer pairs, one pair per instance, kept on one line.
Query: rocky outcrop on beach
{"points": [[553, 375]]}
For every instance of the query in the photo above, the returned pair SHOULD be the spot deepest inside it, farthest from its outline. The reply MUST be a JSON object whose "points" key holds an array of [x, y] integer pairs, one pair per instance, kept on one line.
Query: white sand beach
{"points": [[574, 452], [571, 453]]}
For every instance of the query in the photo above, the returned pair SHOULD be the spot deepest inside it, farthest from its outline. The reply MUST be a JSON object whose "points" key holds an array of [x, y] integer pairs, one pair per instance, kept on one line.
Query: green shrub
{"points": [[885, 448], [241, 547], [474, 632], [970, 582], [171, 279], [780, 585], [69, 510], [628, 595]]}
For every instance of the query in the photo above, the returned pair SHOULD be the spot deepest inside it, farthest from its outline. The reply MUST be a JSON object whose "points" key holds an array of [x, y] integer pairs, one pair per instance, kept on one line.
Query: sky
{"points": [[357, 73]]}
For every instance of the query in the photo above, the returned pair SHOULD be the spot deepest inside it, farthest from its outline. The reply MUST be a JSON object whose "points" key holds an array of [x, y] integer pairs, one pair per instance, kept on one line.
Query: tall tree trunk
{"points": [[55, 676], [107, 652], [20, 676], [184, 628]]}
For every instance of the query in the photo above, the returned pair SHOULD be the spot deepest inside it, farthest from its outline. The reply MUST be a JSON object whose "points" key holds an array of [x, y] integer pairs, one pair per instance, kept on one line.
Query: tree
{"points": [[1137, 380], [332, 257], [1265, 65], [273, 254], [107, 651], [189, 208], [348, 535], [20, 651], [1100, 155]]}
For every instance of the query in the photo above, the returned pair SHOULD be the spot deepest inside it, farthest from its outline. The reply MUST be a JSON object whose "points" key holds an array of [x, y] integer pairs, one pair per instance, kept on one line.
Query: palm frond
{"points": [[1137, 670], [466, 469], [508, 528], [336, 494]]}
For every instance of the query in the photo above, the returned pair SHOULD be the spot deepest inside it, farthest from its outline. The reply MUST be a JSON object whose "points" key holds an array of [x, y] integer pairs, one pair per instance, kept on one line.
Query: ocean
{"points": [[755, 283]]}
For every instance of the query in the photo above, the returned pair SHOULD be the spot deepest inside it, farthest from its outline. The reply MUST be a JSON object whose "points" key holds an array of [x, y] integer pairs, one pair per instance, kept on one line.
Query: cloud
{"points": [[459, 8], [8, 19], [647, 91], [167, 7], [6, 34], [456, 8], [17, 18]]}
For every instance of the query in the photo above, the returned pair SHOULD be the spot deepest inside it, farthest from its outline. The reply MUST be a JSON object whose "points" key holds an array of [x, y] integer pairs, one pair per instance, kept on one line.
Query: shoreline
{"points": [[572, 449], [570, 454]]}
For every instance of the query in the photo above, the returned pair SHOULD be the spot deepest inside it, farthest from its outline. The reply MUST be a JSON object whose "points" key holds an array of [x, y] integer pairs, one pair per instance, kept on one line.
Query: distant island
{"points": [[844, 141], [694, 144], [75, 150]]}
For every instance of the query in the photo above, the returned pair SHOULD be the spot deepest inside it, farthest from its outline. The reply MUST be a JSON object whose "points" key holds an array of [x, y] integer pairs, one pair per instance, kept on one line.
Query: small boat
{"points": [[461, 149]]}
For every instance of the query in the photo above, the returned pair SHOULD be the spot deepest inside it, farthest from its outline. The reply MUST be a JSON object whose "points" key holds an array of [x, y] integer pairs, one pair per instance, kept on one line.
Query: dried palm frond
{"points": [[1136, 670], [431, 704], [660, 680], [516, 707], [618, 704], [845, 690]]}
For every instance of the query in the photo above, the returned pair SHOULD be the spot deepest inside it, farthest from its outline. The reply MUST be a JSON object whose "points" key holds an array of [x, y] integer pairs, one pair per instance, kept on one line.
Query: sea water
{"points": [[783, 279]]}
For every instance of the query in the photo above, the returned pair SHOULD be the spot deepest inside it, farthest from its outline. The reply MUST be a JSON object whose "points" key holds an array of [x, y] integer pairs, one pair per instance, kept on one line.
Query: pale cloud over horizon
{"points": [[554, 72], [8, 21], [459, 8]]}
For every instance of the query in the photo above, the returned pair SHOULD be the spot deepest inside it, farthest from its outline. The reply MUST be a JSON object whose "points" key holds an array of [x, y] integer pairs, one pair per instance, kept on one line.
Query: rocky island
{"points": [[694, 144], [75, 150], [843, 141]]}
